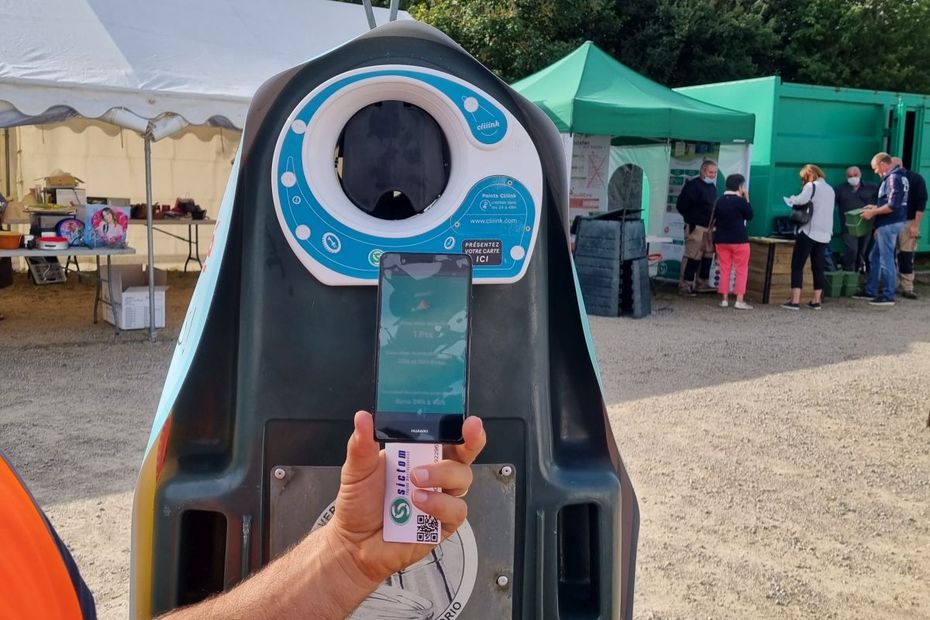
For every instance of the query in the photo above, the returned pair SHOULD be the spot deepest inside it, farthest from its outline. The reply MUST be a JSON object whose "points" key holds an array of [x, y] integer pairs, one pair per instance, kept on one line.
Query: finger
{"points": [[452, 477], [450, 511], [361, 451], [475, 440]]}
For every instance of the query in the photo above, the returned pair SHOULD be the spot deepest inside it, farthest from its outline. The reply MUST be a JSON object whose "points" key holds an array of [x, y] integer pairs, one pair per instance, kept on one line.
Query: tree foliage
{"points": [[864, 44], [683, 42], [514, 38], [873, 44]]}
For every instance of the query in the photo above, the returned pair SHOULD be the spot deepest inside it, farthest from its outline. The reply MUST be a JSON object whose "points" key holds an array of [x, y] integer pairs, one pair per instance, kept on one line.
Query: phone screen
{"points": [[423, 337]]}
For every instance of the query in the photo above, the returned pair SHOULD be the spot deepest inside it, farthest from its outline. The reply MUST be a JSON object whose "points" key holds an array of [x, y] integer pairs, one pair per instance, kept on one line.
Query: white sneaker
{"points": [[724, 304], [742, 305]]}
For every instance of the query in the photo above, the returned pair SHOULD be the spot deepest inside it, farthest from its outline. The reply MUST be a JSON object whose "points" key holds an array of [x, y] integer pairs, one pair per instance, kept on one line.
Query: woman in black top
{"points": [[731, 239]]}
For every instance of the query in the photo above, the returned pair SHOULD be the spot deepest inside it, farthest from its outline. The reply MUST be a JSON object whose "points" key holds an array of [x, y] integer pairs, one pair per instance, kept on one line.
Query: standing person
{"points": [[695, 203], [731, 239], [907, 240], [813, 237], [854, 193], [890, 217]]}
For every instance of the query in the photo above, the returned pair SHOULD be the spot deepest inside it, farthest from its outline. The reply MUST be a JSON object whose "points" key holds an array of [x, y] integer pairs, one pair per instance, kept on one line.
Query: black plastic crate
{"points": [[600, 266], [633, 244], [596, 239], [600, 302], [635, 295], [599, 280]]}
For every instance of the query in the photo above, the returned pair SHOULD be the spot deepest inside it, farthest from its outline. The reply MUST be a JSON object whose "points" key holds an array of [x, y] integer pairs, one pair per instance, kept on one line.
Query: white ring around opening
{"points": [[322, 134]]}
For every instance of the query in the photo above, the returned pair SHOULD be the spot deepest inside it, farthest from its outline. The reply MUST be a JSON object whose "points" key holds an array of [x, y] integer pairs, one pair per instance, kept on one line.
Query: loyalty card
{"points": [[404, 522]]}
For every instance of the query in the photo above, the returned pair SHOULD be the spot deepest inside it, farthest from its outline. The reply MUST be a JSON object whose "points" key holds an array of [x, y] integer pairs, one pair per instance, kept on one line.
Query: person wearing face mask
{"points": [[695, 204], [854, 194]]}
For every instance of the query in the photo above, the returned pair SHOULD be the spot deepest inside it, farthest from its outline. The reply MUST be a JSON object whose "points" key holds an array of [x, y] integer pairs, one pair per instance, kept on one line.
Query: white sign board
{"points": [[589, 169]]}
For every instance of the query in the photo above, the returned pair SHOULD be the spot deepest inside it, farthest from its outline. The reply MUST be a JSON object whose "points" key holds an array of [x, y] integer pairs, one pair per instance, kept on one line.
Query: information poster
{"points": [[684, 164], [589, 169]]}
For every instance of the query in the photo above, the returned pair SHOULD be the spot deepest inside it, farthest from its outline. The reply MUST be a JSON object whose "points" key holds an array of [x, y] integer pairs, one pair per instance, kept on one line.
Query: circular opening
{"points": [[392, 160], [625, 190]]}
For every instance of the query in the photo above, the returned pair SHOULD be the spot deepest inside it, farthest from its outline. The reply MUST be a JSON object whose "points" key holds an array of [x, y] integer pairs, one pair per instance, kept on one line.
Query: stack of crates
{"points": [[635, 293], [613, 269], [597, 248]]}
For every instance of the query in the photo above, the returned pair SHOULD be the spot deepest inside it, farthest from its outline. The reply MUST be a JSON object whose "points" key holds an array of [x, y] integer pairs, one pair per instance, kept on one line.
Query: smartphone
{"points": [[421, 365]]}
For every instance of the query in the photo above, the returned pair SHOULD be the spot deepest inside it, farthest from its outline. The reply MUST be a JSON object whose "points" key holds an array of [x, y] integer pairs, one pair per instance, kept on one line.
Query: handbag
{"points": [[801, 214], [707, 243]]}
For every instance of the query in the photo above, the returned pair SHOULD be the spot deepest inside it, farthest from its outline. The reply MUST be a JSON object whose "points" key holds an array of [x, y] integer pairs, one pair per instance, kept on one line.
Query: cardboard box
{"points": [[130, 304], [72, 196], [103, 200], [61, 179], [104, 226]]}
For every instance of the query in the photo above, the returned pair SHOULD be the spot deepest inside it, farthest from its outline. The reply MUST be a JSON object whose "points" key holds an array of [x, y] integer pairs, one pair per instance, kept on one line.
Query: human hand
{"points": [[357, 522], [869, 212], [913, 230]]}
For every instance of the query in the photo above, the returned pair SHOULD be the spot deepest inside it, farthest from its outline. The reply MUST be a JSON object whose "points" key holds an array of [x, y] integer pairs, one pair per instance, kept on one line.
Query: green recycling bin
{"points": [[850, 283], [834, 286], [857, 226]]}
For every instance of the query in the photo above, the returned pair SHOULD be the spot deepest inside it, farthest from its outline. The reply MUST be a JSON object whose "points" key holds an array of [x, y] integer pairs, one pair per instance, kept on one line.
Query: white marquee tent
{"points": [[156, 67]]}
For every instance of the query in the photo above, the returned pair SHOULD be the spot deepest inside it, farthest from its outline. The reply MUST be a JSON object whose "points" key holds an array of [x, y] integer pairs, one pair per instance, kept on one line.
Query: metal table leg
{"points": [[197, 246], [193, 246], [98, 299], [116, 329], [97, 288], [77, 265]]}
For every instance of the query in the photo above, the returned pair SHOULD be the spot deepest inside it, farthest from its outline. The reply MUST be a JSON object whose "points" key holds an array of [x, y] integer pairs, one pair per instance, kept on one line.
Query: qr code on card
{"points": [[427, 529]]}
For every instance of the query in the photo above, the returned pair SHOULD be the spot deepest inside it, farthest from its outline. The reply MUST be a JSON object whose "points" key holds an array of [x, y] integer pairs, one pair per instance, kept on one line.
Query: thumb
{"points": [[362, 450]]}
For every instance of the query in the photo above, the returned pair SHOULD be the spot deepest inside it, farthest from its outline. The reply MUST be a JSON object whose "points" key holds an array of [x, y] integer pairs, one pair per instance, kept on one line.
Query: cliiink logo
{"points": [[400, 511]]}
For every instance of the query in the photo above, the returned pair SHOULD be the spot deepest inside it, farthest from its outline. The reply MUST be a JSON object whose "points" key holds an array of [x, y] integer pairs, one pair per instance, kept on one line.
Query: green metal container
{"points": [[850, 283], [835, 128], [858, 226], [834, 286]]}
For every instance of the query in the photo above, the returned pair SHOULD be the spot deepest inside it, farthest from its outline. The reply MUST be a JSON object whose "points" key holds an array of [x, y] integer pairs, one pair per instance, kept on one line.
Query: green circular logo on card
{"points": [[374, 257], [400, 511]]}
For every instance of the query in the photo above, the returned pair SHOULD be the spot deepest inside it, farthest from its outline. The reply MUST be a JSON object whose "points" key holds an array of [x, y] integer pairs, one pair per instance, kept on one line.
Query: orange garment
{"points": [[34, 579]]}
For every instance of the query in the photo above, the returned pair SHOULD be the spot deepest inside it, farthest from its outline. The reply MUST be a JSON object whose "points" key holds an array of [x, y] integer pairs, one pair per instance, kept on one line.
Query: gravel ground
{"points": [[782, 460]]}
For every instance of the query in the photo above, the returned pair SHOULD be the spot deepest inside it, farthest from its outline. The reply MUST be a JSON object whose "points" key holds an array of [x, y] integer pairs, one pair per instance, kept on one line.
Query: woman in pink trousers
{"points": [[731, 240]]}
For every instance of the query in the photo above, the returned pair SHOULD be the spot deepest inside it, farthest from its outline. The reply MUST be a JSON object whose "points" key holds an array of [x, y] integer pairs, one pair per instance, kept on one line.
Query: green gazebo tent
{"points": [[591, 93], [652, 135]]}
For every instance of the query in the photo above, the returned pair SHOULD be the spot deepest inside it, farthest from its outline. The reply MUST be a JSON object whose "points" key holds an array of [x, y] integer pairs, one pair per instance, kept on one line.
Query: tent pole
{"points": [[148, 221], [8, 163], [370, 14]]}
